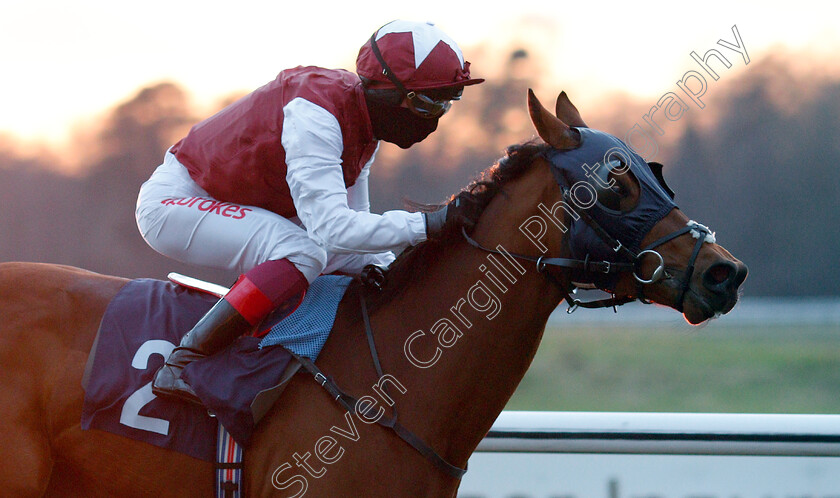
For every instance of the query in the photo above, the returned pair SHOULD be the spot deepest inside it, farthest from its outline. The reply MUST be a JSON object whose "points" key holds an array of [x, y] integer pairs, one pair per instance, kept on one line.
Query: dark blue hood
{"points": [[597, 153]]}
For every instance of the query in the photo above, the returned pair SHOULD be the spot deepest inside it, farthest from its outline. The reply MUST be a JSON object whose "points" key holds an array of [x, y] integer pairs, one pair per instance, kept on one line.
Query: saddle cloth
{"points": [[142, 325]]}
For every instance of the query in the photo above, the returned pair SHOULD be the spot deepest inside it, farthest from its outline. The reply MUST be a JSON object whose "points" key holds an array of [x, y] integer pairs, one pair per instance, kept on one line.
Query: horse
{"points": [[455, 325]]}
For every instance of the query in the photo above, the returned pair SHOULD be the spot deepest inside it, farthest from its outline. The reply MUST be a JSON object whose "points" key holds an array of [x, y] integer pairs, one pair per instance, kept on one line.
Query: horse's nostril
{"points": [[720, 275]]}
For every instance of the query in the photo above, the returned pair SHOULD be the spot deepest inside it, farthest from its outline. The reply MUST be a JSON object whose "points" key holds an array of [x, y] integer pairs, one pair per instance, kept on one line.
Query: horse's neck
{"points": [[477, 319], [473, 379]]}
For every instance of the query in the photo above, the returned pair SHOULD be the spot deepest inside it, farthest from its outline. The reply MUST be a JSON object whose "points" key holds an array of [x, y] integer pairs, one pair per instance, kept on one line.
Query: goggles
{"points": [[422, 105], [427, 107]]}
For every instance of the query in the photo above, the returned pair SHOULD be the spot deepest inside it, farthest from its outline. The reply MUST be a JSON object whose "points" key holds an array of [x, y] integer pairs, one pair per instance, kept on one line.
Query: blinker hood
{"points": [[589, 163]]}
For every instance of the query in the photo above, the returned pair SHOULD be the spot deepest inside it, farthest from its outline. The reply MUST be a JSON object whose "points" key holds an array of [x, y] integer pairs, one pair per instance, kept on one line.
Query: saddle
{"points": [[142, 325]]}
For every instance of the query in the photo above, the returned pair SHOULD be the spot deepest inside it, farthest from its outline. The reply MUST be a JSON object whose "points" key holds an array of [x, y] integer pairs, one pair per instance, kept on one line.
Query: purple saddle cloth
{"points": [[139, 329]]}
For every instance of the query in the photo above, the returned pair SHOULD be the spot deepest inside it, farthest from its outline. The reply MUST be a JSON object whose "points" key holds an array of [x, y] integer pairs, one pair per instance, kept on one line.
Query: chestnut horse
{"points": [[456, 326]]}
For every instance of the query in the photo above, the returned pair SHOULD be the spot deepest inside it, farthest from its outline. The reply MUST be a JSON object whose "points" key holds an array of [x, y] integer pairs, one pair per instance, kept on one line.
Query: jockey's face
{"points": [[400, 125]]}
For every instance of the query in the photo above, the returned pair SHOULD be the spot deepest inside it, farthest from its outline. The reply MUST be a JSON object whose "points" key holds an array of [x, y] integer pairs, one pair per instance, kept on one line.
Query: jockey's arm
{"points": [[358, 199], [358, 195], [313, 143]]}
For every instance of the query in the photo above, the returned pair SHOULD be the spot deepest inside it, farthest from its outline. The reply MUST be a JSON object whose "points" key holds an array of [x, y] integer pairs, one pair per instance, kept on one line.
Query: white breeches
{"points": [[179, 219]]}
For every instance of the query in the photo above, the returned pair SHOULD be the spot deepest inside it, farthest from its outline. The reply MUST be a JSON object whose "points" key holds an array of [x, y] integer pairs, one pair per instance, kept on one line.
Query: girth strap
{"points": [[229, 466]]}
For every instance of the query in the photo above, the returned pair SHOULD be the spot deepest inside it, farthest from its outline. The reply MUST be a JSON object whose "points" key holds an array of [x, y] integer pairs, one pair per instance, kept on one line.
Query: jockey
{"points": [[275, 186]]}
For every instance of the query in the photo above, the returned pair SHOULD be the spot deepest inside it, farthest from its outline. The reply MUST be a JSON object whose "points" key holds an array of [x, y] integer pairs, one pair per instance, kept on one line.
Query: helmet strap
{"points": [[386, 69]]}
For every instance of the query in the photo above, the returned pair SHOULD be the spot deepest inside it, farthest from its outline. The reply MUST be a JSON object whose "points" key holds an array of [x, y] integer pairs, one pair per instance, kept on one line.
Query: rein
{"points": [[632, 265], [351, 404]]}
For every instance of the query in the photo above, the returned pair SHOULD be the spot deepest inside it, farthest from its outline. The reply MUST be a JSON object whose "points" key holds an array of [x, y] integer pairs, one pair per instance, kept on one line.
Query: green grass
{"points": [[770, 369]]}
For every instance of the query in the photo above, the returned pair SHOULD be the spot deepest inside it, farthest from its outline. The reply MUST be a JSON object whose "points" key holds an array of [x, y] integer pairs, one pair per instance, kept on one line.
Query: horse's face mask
{"points": [[588, 176]]}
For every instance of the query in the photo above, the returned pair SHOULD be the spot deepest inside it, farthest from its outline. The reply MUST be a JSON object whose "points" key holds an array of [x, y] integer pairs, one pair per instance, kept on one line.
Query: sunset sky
{"points": [[66, 63]]}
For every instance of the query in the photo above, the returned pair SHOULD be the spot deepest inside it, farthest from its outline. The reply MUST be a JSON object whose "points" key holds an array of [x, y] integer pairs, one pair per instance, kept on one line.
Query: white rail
{"points": [[665, 433]]}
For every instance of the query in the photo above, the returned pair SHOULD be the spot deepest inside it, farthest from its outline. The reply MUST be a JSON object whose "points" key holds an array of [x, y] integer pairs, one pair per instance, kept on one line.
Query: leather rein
{"points": [[375, 277]]}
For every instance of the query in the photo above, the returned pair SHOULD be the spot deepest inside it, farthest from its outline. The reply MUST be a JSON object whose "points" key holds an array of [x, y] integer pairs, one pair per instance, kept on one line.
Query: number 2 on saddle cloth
{"points": [[142, 325]]}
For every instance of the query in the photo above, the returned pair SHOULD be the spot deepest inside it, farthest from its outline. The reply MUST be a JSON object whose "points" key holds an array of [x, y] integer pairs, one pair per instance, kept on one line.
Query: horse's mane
{"points": [[405, 270]]}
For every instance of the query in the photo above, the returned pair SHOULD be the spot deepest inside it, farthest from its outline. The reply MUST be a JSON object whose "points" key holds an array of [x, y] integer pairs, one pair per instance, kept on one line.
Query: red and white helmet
{"points": [[419, 55]]}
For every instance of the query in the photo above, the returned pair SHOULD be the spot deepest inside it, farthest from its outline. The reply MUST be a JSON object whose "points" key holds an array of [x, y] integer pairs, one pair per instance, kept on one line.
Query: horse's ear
{"points": [[549, 127], [567, 112]]}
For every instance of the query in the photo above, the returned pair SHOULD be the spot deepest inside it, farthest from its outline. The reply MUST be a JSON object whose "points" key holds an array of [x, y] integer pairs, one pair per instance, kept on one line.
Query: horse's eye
{"points": [[617, 195], [610, 197]]}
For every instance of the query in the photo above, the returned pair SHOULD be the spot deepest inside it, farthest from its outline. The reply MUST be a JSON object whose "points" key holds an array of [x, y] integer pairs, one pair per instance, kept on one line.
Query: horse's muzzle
{"points": [[717, 293]]}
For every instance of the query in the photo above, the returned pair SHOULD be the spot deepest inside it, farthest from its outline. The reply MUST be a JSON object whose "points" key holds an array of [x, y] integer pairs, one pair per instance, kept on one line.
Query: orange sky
{"points": [[65, 63]]}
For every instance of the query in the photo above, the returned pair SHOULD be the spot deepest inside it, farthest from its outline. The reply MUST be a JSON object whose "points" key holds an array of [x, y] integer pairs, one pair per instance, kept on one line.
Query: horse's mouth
{"points": [[698, 308]]}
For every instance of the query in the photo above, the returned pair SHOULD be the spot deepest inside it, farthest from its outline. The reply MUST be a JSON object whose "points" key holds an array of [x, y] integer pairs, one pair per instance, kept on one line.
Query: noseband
{"points": [[703, 234], [632, 262]]}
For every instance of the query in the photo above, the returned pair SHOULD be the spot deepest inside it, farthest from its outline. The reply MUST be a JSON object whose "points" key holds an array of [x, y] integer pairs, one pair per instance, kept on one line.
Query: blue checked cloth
{"points": [[305, 331]]}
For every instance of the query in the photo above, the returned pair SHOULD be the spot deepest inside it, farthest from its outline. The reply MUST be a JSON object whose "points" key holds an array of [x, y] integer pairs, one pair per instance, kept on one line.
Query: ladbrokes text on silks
{"points": [[226, 209]]}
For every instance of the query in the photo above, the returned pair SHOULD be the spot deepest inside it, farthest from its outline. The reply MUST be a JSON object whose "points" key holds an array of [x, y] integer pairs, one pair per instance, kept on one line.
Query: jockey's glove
{"points": [[462, 211]]}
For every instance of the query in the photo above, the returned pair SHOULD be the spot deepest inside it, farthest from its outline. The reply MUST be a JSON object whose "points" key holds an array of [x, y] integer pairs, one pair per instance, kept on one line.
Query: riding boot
{"points": [[250, 300], [216, 330]]}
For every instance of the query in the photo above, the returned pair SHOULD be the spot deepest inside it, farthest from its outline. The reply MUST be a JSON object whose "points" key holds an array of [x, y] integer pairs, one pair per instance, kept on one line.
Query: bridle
{"points": [[374, 277], [632, 262]]}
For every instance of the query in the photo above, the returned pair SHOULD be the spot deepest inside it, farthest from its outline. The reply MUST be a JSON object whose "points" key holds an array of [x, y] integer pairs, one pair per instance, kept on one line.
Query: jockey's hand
{"points": [[462, 211]]}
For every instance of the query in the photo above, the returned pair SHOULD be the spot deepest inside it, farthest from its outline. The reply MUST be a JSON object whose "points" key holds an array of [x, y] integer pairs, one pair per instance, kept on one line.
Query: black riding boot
{"points": [[215, 331]]}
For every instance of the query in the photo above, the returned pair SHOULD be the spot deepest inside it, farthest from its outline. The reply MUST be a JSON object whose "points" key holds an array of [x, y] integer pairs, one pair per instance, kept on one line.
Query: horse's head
{"points": [[621, 212]]}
